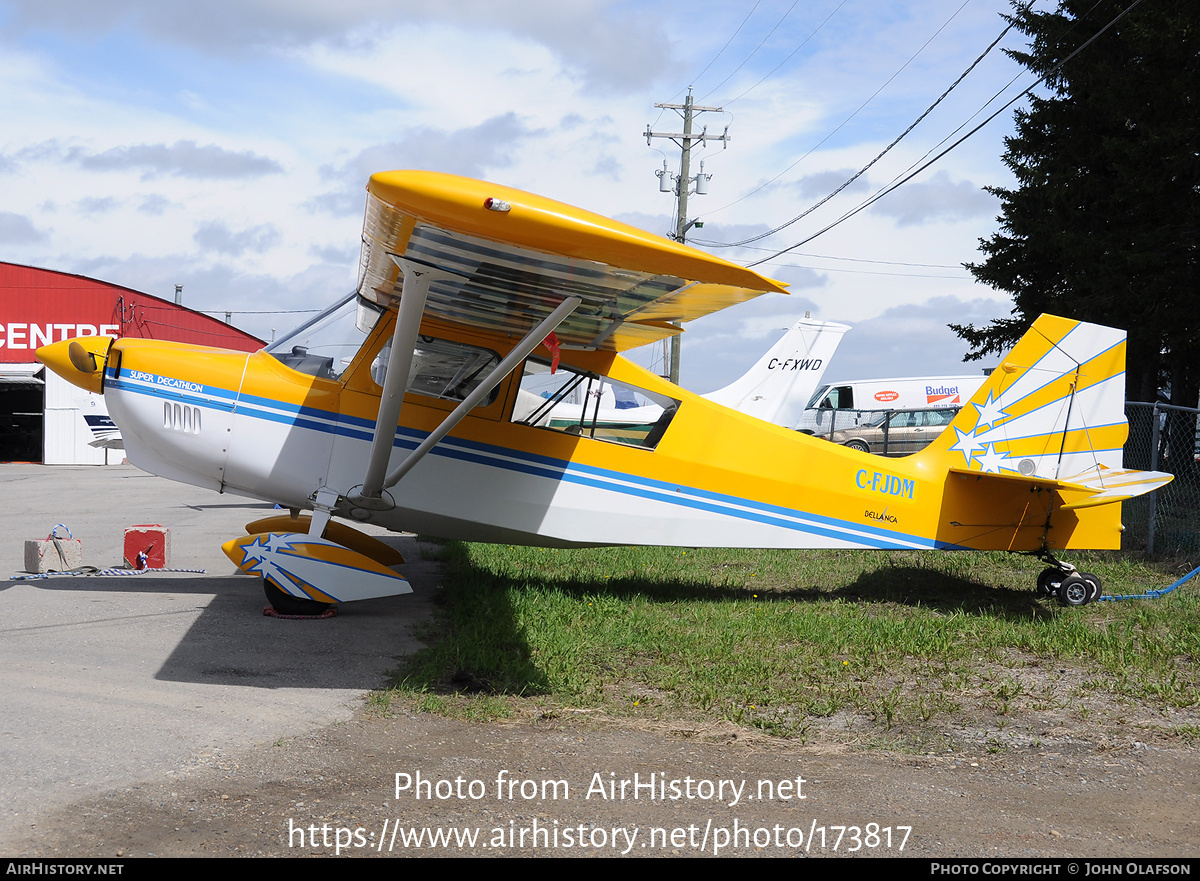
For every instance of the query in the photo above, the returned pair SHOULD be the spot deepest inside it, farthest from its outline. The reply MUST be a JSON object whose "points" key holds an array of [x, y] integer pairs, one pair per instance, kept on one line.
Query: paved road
{"points": [[111, 680]]}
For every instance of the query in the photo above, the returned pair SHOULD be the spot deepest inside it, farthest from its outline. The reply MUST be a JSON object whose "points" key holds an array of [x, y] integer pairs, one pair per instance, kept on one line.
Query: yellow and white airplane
{"points": [[421, 403]]}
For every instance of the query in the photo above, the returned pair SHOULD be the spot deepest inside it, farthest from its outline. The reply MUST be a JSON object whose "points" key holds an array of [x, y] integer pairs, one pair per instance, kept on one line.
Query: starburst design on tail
{"points": [[990, 412]]}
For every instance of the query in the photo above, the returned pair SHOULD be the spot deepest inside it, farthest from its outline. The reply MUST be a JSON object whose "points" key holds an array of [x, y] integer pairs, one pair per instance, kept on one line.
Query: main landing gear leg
{"points": [[1066, 583]]}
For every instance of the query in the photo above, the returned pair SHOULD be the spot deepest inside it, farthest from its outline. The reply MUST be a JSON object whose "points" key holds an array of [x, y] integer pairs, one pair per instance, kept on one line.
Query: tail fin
{"points": [[778, 387], [1053, 411]]}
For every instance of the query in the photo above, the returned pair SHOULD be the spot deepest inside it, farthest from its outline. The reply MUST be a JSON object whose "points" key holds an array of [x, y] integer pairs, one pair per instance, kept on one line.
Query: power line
{"points": [[727, 42], [880, 155], [843, 123], [257, 311], [907, 177], [755, 52], [870, 272], [773, 70], [875, 262]]}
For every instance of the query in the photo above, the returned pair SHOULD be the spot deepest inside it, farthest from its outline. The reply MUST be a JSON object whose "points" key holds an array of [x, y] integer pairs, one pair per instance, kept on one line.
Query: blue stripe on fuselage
{"points": [[533, 464]]}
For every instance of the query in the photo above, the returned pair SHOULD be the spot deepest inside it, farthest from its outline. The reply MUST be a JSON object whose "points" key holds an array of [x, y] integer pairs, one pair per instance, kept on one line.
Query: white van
{"points": [[843, 404]]}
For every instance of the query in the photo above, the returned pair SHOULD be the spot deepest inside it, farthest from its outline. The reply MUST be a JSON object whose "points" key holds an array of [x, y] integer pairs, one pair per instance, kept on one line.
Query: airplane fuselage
{"points": [[250, 425]]}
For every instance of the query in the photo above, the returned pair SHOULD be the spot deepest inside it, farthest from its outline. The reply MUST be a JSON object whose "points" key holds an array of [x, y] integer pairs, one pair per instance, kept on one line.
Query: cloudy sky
{"points": [[225, 145]]}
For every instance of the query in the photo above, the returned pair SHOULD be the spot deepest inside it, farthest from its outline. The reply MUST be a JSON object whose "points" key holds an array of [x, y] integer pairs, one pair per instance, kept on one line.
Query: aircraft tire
{"points": [[1096, 583], [286, 604], [1048, 581], [1078, 589]]}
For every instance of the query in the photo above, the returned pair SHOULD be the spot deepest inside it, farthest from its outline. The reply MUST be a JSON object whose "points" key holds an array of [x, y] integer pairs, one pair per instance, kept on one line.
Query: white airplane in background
{"points": [[776, 389], [779, 386]]}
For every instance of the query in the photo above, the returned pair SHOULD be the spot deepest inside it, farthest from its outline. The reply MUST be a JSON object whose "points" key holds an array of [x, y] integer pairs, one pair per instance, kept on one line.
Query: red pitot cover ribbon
{"points": [[551, 343]]}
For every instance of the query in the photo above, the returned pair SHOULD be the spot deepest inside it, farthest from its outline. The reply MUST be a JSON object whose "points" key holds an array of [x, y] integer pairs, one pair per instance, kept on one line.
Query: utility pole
{"points": [[681, 184]]}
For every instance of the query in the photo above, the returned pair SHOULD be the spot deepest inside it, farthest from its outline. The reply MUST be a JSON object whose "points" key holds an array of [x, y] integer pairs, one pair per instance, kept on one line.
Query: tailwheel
{"points": [[286, 604], [1096, 583], [1078, 589]]}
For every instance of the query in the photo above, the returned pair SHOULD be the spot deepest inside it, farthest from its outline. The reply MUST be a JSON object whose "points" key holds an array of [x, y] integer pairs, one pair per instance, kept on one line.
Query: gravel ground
{"points": [[716, 792]]}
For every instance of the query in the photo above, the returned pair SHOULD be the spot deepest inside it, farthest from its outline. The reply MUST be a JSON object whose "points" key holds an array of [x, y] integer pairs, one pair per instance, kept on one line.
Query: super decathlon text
{"points": [[166, 380]]}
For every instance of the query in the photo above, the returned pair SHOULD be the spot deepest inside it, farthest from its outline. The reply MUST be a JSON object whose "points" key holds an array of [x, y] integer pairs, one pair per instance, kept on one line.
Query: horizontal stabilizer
{"points": [[1103, 485], [1096, 486]]}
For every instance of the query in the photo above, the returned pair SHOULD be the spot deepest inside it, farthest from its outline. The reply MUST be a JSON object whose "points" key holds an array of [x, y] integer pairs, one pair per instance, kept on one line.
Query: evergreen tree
{"points": [[1104, 222]]}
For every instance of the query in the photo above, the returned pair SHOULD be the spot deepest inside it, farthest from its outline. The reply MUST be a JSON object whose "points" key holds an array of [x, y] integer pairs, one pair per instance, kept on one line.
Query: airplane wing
{"points": [[507, 258], [477, 254]]}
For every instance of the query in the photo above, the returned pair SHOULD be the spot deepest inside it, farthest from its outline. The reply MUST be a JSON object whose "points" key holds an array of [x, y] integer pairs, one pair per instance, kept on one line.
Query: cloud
{"points": [[221, 287], [334, 254], [181, 159], [340, 203], [799, 277], [915, 333], [16, 229], [97, 204], [470, 152], [935, 200], [216, 236], [819, 185], [154, 204], [610, 45], [609, 167]]}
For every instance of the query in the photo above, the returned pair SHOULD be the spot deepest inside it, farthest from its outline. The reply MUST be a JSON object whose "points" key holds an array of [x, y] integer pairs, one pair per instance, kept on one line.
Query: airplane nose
{"points": [[79, 361]]}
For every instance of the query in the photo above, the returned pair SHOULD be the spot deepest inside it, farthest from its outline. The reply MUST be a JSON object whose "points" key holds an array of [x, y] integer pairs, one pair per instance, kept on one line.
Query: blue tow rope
{"points": [[1153, 594]]}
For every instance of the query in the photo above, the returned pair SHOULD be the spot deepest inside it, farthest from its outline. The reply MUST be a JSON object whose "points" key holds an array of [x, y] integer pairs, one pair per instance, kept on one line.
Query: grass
{"points": [[886, 647]]}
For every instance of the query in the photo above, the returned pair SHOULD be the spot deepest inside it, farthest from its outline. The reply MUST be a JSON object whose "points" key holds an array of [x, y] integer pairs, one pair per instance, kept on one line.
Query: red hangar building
{"points": [[45, 419]]}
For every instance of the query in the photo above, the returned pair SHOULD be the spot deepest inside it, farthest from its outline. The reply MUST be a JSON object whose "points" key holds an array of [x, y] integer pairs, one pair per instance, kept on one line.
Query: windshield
{"points": [[817, 395], [325, 345]]}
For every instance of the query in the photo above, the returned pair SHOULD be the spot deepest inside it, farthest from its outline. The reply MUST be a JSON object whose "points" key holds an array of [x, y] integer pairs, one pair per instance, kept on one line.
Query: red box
{"points": [[150, 539]]}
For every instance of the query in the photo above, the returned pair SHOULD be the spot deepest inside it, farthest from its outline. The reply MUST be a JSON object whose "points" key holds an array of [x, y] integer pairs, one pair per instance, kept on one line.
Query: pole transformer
{"points": [[681, 184]]}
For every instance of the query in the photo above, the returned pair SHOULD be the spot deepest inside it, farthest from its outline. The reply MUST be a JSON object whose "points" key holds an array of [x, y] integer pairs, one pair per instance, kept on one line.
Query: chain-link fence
{"points": [[1163, 437]]}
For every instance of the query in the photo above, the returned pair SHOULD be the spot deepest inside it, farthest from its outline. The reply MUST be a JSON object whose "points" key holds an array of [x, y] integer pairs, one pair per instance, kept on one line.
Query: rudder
{"points": [[1054, 409]]}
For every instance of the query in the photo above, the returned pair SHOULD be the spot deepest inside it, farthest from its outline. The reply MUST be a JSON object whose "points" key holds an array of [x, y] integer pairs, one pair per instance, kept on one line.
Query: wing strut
{"points": [[408, 321], [510, 362]]}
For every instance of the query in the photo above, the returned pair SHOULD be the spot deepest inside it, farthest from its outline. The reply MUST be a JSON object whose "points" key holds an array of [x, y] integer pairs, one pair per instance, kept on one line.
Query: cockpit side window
{"points": [[584, 404], [442, 368], [326, 345]]}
